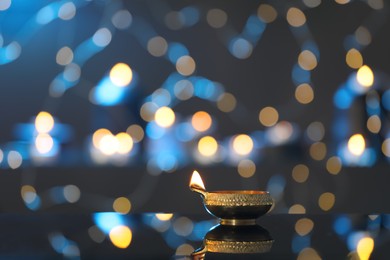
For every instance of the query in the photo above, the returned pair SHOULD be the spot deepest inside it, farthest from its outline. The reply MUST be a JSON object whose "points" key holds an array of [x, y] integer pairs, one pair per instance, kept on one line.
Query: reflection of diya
{"points": [[240, 207], [250, 239]]}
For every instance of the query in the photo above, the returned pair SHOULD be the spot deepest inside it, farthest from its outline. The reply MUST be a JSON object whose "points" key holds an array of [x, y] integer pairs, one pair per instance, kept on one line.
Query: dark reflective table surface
{"points": [[176, 236]]}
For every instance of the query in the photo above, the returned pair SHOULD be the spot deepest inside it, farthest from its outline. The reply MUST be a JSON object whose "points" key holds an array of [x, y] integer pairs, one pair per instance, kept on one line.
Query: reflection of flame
{"points": [[196, 181]]}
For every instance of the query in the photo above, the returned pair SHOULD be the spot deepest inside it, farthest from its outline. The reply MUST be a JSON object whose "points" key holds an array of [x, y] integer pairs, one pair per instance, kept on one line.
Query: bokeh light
{"points": [[267, 13], [333, 165], [307, 60], [185, 65], [157, 46], [356, 144], [108, 144], [316, 131], [295, 17], [354, 59], [246, 168], [183, 226], [242, 144], [44, 143], [363, 36], [304, 94], [326, 201], [164, 216], [125, 143], [121, 75], [5, 4], [318, 151], [268, 116], [64, 56], [184, 89], [14, 159], [136, 132], [148, 111], [122, 205], [297, 209], [207, 146], [304, 226], [308, 253], [300, 173], [386, 147], [44, 122], [374, 124], [216, 18], [226, 102], [164, 117], [365, 247], [121, 236], [365, 76], [201, 121]]}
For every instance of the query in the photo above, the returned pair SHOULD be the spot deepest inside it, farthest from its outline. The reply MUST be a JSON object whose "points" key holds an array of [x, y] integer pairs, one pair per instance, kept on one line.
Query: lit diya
{"points": [[233, 207]]}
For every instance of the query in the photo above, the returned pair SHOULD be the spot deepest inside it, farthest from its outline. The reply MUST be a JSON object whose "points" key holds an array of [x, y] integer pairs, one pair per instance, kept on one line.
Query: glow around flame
{"points": [[196, 181]]}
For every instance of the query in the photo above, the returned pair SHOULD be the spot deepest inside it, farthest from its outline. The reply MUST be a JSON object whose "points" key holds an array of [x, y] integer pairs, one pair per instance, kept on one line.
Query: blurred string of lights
{"points": [[171, 140]]}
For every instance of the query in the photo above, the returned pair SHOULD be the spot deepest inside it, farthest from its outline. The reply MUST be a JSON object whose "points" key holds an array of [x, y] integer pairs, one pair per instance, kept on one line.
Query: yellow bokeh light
{"points": [[44, 122], [356, 144], [201, 121], [297, 209], [267, 13], [300, 173], [365, 247], [308, 253], [374, 124], [307, 60], [98, 135], [295, 17], [365, 76], [108, 144], [121, 236], [318, 151], [243, 144], [136, 132], [326, 201], [122, 205], [226, 102], [121, 75], [164, 117], [185, 65], [386, 147], [207, 146], [164, 216], [268, 116], [304, 226], [304, 93], [125, 143], [333, 165], [246, 168], [44, 143], [354, 59]]}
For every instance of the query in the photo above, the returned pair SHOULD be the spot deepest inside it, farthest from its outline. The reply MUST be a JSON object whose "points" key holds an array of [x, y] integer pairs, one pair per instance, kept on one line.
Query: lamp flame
{"points": [[196, 182]]}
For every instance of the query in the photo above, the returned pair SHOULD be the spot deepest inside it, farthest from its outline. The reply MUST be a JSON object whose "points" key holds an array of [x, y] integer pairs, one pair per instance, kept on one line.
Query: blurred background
{"points": [[111, 105]]}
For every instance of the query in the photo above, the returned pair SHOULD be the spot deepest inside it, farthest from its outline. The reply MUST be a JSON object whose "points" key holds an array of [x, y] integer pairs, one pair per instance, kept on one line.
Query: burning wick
{"points": [[196, 183]]}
